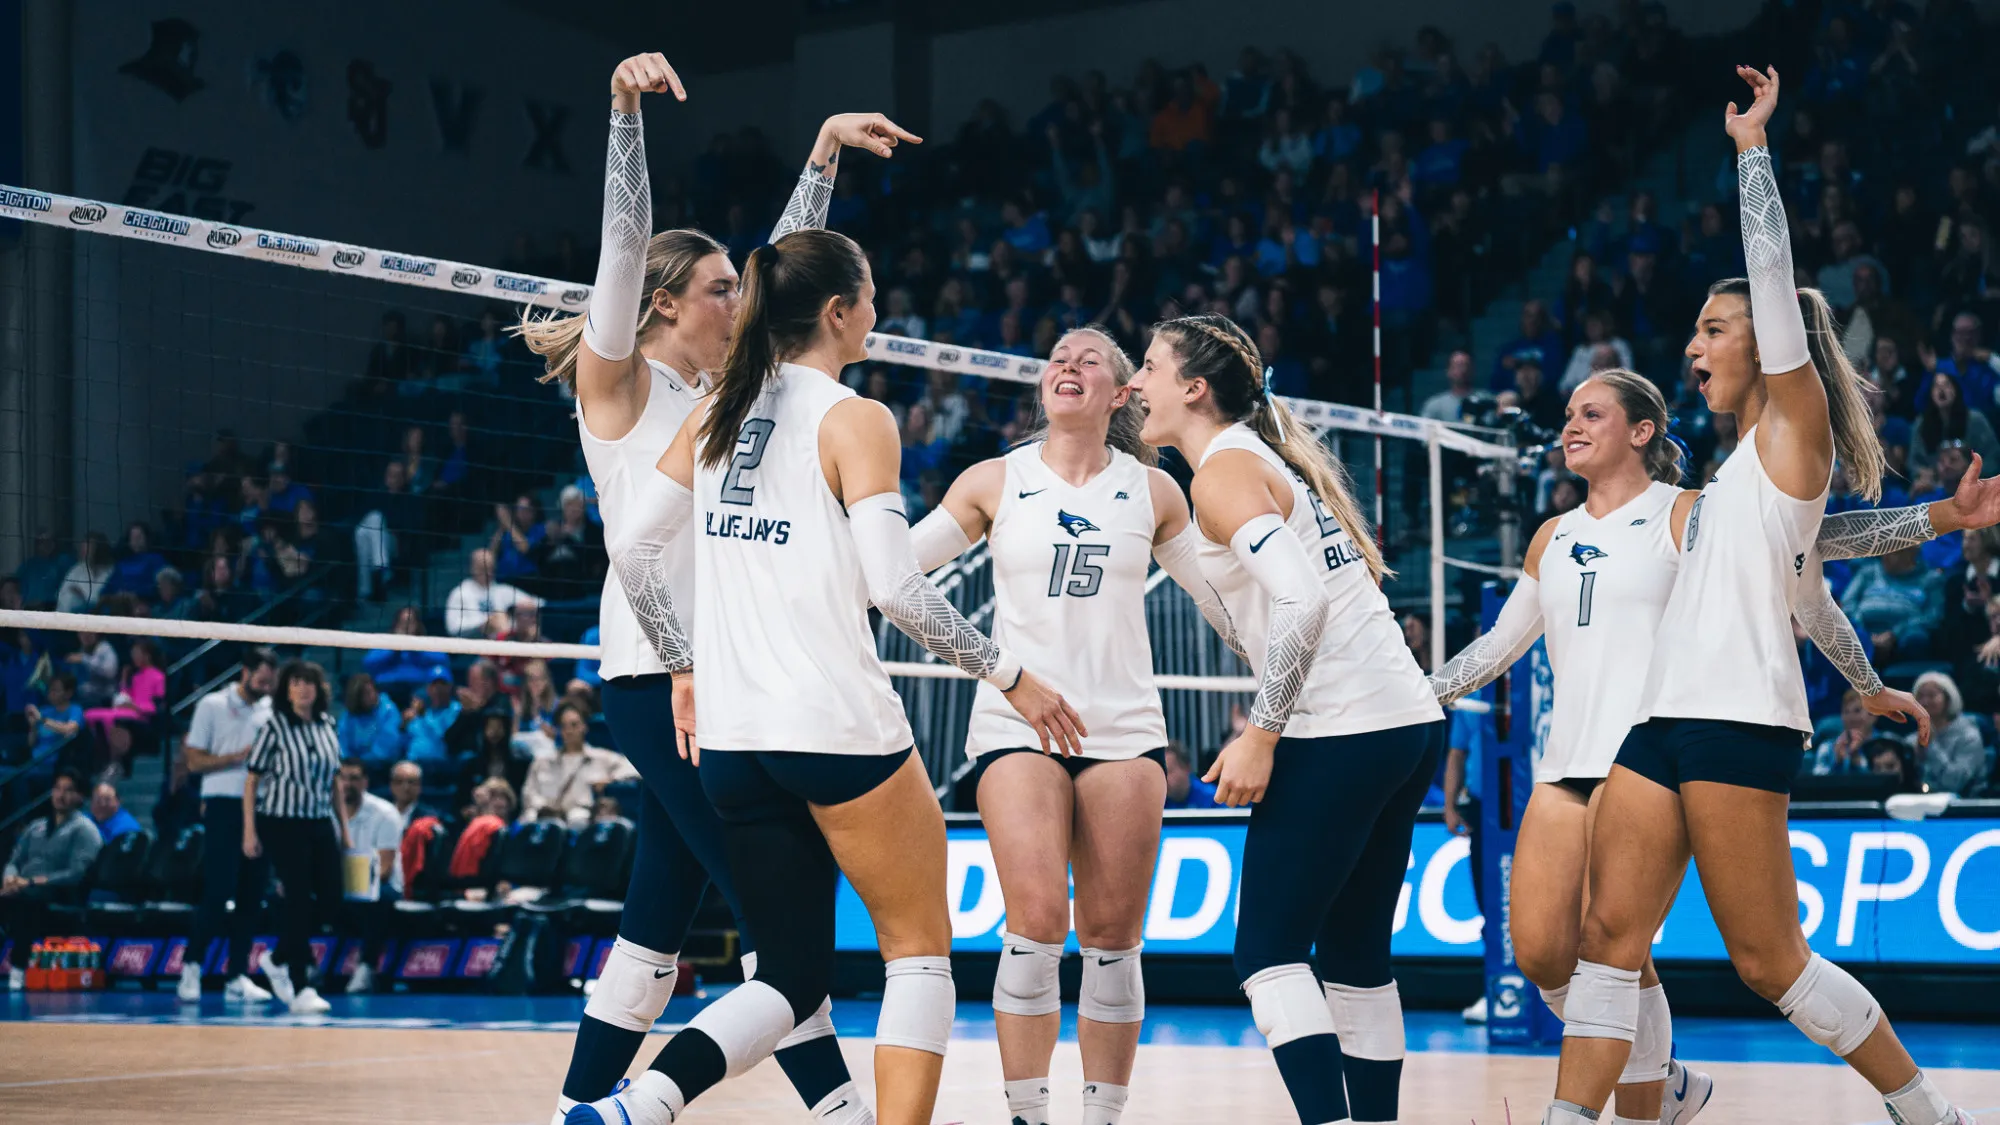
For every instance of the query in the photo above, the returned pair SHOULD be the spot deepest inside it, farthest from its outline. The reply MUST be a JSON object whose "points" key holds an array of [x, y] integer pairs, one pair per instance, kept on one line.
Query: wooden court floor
{"points": [[196, 1074]]}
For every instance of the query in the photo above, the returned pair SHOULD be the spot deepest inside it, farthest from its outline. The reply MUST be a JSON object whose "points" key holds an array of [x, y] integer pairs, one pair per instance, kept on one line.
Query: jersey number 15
{"points": [[1077, 571]]}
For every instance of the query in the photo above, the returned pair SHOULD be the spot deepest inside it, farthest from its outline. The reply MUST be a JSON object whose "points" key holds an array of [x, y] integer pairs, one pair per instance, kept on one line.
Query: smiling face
{"points": [[1598, 438], [1081, 380], [1723, 353], [1166, 399]]}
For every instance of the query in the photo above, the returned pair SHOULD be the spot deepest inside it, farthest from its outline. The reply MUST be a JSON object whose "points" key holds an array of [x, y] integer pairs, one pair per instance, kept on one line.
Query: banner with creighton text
{"points": [[1871, 890]]}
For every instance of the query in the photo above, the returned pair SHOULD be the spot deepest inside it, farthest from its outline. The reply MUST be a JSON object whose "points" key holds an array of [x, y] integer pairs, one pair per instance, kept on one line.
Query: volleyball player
{"points": [[660, 316], [1073, 517], [1722, 717], [790, 481], [1595, 582], [1344, 734]]}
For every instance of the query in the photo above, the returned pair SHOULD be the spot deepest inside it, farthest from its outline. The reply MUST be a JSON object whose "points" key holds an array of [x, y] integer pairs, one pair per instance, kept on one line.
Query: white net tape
{"points": [[234, 240]]}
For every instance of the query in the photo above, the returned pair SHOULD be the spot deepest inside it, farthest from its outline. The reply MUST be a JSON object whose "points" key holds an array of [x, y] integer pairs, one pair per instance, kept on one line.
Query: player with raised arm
{"points": [[660, 318], [1722, 720], [1073, 516], [1344, 734], [1595, 583], [787, 480]]}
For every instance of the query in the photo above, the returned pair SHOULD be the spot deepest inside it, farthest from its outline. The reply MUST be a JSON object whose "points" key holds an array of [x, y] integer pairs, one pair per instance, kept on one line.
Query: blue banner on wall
{"points": [[1870, 890]]}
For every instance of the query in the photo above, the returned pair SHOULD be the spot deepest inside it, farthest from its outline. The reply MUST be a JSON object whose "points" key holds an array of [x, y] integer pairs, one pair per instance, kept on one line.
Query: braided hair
{"points": [[1216, 349]]}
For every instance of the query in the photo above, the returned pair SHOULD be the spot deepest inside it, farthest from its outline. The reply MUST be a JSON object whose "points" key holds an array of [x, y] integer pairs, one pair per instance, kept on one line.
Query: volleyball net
{"points": [[215, 435]]}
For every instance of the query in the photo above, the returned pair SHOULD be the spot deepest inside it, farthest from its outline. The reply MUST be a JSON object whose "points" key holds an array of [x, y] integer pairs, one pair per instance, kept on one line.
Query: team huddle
{"points": [[753, 514]]}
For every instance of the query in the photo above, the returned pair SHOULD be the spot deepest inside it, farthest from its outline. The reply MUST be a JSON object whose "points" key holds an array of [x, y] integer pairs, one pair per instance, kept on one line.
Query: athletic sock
{"points": [[1568, 1113], [816, 1068], [1311, 1068], [1373, 1086], [601, 1057], [1103, 1103], [652, 1099], [1919, 1103], [843, 1106], [1028, 1101]]}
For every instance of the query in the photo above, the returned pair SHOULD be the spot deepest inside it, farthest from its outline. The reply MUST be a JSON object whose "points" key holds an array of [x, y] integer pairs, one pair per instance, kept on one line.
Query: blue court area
{"points": [[1972, 1046]]}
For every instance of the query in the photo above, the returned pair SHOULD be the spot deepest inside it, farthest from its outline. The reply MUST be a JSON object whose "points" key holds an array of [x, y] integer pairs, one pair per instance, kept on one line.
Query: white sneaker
{"points": [[243, 990], [189, 990], [17, 980], [1685, 1093], [280, 978], [1476, 1012], [310, 1003], [362, 981]]}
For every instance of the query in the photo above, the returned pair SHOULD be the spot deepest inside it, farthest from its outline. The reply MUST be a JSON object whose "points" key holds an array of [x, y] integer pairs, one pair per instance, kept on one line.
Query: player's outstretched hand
{"points": [[1058, 724], [1900, 707], [649, 73], [871, 131], [1976, 504], [1747, 128]]}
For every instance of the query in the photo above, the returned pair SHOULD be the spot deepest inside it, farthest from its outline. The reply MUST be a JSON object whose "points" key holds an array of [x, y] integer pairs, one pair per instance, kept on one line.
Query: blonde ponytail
{"points": [[671, 258]]}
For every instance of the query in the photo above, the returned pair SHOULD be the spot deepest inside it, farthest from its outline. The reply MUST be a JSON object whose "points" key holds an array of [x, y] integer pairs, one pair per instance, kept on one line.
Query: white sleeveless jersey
{"points": [[1725, 647], [784, 657], [1069, 600], [614, 466], [1364, 678], [1604, 586]]}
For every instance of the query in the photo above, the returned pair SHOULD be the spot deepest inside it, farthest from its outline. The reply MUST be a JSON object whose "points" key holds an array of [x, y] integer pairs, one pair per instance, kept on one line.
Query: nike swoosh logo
{"points": [[838, 1108], [1036, 492], [658, 973], [1109, 960], [1266, 539], [1012, 952], [1683, 1091]]}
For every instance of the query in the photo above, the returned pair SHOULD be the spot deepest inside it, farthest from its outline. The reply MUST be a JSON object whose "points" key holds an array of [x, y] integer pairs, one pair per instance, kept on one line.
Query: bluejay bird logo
{"points": [[1584, 554], [1075, 525]]}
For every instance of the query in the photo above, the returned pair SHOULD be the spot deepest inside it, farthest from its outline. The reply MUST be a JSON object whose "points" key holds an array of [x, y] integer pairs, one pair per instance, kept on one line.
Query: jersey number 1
{"points": [[750, 442], [1077, 574], [1583, 597]]}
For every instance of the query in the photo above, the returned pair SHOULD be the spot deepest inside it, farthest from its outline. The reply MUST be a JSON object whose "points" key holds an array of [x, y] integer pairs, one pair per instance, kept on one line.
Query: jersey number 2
{"points": [[1583, 597], [750, 442], [1077, 571]]}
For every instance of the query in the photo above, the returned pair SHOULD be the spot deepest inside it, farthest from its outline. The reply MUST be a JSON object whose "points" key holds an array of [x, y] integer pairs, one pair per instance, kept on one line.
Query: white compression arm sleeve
{"points": [[811, 197], [1823, 620], [1496, 650], [638, 548], [611, 327], [1180, 559], [912, 604], [937, 539], [1279, 563], [1767, 254]]}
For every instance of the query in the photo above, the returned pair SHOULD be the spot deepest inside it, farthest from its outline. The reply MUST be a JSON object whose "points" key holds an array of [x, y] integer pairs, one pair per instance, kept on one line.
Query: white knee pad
{"points": [[1603, 1003], [1027, 982], [917, 1004], [819, 1025], [1555, 998], [1831, 1007], [747, 1025], [634, 987], [1369, 1021], [1113, 989], [1653, 1045], [1286, 1002]]}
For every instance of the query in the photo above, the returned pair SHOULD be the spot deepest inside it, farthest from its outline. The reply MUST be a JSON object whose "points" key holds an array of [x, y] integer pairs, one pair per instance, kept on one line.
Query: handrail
{"points": [[285, 595], [51, 752]]}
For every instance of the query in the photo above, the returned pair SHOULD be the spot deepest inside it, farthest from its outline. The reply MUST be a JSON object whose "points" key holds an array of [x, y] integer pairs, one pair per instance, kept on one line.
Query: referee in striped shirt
{"points": [[293, 771]]}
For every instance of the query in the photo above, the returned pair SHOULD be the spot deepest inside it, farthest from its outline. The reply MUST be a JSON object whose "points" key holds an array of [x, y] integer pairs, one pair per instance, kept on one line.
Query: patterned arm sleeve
{"points": [[807, 208], [612, 325], [911, 603], [1872, 532], [639, 548], [1767, 257], [1830, 629], [1179, 557], [1495, 651], [1278, 561]]}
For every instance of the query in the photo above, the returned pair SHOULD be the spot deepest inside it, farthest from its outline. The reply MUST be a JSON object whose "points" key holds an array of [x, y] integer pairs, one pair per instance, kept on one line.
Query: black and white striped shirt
{"points": [[295, 762]]}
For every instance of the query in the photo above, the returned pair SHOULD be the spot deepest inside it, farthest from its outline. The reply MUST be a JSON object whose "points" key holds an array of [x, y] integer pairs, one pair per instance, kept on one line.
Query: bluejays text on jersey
{"points": [[750, 529]]}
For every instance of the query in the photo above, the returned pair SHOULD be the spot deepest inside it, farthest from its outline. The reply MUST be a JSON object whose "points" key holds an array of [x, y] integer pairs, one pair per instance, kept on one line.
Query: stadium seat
{"points": [[172, 882]]}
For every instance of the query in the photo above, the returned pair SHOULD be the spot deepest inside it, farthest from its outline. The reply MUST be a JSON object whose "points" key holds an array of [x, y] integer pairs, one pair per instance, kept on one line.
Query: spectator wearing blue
{"points": [[517, 534], [1842, 750], [138, 564], [1826, 684], [1091, 187], [428, 717], [1896, 602], [1554, 139], [1943, 480], [370, 728], [1338, 138], [396, 670], [282, 493], [1970, 362], [1441, 163], [1184, 789], [1538, 341], [587, 670], [41, 573], [1026, 231], [53, 722], [110, 815]]}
